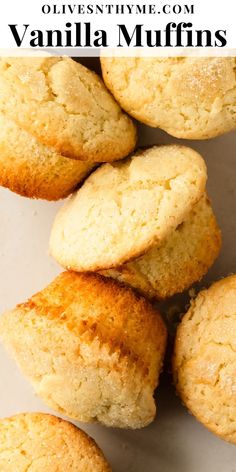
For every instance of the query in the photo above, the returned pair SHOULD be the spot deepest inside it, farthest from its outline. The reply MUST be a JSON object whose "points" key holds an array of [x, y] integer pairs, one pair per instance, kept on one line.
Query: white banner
{"points": [[172, 27]]}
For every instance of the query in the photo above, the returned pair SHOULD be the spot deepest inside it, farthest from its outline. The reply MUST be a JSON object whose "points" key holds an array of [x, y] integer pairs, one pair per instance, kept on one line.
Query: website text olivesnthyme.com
{"points": [[119, 9]]}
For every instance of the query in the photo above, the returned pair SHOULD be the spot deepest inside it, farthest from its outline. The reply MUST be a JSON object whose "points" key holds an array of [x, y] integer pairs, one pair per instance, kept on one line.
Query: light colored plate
{"points": [[175, 442]]}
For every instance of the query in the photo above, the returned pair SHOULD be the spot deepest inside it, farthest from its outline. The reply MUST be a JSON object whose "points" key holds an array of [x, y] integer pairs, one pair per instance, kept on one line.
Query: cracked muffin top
{"points": [[189, 97], [124, 209], [37, 441], [66, 106]]}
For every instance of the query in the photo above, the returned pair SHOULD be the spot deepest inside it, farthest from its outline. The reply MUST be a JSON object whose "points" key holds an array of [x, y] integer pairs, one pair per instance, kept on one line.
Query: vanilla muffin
{"points": [[124, 209], [65, 106], [189, 97], [185, 256], [92, 349], [205, 358], [36, 442], [34, 170]]}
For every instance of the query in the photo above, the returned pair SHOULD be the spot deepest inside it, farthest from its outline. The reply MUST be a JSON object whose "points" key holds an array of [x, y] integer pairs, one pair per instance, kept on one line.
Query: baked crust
{"points": [[33, 170], [185, 256], [92, 349]]}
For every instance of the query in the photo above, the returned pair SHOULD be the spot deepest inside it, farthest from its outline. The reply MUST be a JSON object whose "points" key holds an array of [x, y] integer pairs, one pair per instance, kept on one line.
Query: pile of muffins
{"points": [[137, 228]]}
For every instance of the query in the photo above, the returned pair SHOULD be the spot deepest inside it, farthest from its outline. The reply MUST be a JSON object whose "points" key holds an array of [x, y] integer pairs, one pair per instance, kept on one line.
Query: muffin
{"points": [[204, 361], [185, 256], [34, 170], [189, 97], [64, 106], [91, 348], [125, 209], [36, 442]]}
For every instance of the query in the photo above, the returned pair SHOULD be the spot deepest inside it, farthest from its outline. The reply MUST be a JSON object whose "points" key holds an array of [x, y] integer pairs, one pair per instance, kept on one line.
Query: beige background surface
{"points": [[175, 442]]}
